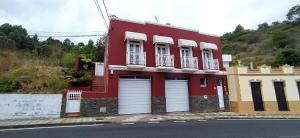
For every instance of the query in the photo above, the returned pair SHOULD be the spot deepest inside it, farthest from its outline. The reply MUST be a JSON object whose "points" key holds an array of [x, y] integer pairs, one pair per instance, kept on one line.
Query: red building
{"points": [[155, 68]]}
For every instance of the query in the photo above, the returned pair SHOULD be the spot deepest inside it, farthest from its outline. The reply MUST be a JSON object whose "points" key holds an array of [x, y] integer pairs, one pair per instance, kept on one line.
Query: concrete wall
{"points": [[20, 106]]}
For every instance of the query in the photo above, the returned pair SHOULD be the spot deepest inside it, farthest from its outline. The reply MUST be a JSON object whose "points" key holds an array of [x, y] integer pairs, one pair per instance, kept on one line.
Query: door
{"points": [[280, 96], [73, 101], [220, 94], [99, 69], [298, 84], [134, 95], [207, 59], [257, 97], [134, 53], [185, 56], [162, 55], [177, 97]]}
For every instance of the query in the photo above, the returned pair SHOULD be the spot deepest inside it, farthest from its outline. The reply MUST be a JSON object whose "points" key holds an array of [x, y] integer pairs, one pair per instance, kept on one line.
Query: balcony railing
{"points": [[164, 60], [189, 62], [212, 64], [134, 58]]}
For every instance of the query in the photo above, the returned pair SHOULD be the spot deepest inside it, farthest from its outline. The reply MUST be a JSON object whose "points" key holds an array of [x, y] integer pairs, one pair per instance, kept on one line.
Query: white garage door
{"points": [[134, 96], [177, 98]]}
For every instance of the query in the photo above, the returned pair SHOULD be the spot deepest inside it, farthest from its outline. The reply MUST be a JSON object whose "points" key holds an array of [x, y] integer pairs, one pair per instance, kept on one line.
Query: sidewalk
{"points": [[137, 118]]}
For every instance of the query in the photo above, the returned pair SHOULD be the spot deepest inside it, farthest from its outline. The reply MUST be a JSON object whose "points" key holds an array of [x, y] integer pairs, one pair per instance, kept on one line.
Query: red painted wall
{"points": [[115, 54]]}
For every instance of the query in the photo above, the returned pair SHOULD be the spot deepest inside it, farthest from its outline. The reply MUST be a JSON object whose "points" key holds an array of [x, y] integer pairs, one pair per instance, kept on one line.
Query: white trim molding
{"points": [[154, 69]]}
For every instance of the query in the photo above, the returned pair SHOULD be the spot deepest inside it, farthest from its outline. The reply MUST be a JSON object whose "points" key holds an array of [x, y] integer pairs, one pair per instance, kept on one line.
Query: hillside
{"points": [[28, 65], [275, 44]]}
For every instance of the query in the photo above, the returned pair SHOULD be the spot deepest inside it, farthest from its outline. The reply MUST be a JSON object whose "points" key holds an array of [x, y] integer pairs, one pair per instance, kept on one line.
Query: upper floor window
{"points": [[135, 51], [162, 51], [209, 63], [186, 54]]}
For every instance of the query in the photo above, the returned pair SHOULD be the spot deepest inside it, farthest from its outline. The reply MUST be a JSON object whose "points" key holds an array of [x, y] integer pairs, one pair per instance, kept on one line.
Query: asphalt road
{"points": [[189, 129]]}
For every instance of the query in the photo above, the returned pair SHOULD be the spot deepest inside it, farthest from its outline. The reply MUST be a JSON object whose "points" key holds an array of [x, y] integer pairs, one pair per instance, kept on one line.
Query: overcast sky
{"points": [[209, 16]]}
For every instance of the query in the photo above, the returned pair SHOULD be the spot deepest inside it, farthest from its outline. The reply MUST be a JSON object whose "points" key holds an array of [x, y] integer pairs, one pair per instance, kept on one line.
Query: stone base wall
{"points": [[158, 105], [204, 104], [227, 103], [99, 107], [63, 107]]}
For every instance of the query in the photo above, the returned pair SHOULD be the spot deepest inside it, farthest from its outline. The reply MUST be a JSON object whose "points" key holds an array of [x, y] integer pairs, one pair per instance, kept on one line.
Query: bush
{"points": [[8, 84], [32, 77], [81, 78], [67, 60]]}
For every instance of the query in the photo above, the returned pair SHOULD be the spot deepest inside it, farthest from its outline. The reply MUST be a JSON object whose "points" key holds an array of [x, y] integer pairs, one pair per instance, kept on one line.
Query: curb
{"points": [[54, 124], [165, 120]]}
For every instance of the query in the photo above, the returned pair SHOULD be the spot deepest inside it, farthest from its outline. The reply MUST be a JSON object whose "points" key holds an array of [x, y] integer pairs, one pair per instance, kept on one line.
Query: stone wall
{"points": [[158, 105], [226, 103], [99, 107], [204, 104]]}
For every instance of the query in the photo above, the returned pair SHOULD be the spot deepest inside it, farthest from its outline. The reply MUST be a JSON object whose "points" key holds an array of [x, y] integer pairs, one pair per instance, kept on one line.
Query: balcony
{"points": [[135, 60], [164, 62], [189, 64], [211, 65]]}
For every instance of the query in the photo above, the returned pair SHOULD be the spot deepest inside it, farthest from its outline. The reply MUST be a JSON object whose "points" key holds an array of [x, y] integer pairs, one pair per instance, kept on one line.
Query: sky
{"points": [[208, 16]]}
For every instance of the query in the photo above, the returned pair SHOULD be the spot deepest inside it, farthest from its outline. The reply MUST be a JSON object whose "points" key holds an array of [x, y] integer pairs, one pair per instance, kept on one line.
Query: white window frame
{"points": [[140, 42], [211, 54], [191, 51], [166, 46]]}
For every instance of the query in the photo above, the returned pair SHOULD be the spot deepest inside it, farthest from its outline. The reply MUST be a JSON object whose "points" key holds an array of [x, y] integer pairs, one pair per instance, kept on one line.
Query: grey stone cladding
{"points": [[99, 107], [204, 104], [158, 105]]}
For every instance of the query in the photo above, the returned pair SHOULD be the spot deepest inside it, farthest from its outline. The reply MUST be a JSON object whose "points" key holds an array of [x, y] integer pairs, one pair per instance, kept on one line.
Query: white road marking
{"points": [[255, 119], [290, 136], [202, 120], [152, 122], [127, 123], [33, 128], [179, 121]]}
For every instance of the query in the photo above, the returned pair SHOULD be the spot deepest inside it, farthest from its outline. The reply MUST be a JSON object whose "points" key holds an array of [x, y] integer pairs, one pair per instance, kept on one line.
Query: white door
{"points": [[134, 96], [185, 55], [161, 53], [134, 53], [73, 101], [177, 97], [98, 69], [207, 58], [220, 93]]}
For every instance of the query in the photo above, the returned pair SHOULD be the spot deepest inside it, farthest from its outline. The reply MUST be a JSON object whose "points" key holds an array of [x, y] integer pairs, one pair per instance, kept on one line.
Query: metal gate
{"points": [[73, 101]]}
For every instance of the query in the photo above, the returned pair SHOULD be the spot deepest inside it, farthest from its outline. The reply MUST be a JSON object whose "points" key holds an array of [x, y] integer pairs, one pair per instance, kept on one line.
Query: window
{"points": [[135, 52], [203, 82]]}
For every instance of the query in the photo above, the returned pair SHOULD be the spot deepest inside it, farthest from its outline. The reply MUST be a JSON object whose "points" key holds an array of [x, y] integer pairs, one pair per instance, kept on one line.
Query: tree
{"points": [[67, 44], [294, 13], [263, 26], [280, 39], [238, 29], [288, 56]]}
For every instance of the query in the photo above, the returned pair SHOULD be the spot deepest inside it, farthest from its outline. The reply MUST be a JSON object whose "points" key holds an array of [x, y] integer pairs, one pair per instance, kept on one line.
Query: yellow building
{"points": [[264, 90]]}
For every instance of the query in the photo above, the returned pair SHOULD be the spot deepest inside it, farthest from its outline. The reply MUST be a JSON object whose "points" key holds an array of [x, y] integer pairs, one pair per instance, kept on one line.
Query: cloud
{"points": [[210, 16]]}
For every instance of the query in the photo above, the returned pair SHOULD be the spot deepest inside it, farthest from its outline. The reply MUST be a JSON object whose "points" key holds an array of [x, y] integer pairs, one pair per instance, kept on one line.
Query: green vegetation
{"points": [[30, 65], [276, 44]]}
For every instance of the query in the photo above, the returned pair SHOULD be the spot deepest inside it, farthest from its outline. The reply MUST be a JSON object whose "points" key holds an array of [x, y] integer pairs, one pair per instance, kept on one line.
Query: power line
{"points": [[105, 9], [101, 13], [88, 35]]}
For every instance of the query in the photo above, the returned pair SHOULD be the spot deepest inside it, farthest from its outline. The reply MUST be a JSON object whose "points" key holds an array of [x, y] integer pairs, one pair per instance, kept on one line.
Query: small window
{"points": [[203, 82]]}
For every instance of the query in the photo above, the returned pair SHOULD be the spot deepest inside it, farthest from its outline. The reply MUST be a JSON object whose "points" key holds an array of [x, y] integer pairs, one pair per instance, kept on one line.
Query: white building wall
{"points": [[21, 106]]}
